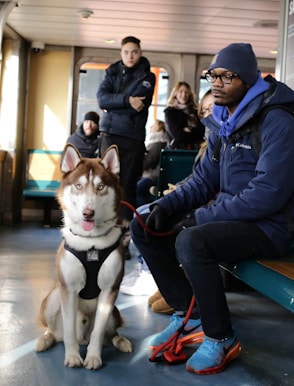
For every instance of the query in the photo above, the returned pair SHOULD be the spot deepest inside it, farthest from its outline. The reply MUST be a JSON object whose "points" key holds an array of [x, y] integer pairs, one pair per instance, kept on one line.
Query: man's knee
{"points": [[188, 243]]}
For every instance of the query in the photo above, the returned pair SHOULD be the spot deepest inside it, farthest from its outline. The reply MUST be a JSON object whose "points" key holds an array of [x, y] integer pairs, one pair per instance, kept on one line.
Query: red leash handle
{"points": [[171, 343], [144, 226]]}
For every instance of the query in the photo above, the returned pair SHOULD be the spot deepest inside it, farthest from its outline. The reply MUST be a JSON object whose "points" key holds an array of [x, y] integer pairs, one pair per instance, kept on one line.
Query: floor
{"points": [[27, 254]]}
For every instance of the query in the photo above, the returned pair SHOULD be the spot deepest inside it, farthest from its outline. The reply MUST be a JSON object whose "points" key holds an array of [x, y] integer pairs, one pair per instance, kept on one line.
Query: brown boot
{"points": [[161, 307], [154, 297]]}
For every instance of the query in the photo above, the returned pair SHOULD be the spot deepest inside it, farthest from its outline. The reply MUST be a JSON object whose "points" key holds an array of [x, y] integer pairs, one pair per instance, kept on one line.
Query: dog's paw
{"points": [[73, 361], [44, 342], [92, 363], [122, 343]]}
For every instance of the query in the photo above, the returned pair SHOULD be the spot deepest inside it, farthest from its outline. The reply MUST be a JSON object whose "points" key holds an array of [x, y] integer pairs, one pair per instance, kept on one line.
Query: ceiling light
{"points": [[85, 13], [109, 41]]}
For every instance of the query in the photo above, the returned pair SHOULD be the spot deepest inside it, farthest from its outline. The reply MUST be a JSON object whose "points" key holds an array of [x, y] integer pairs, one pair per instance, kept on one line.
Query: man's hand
{"points": [[187, 221], [156, 219], [171, 188], [136, 103]]}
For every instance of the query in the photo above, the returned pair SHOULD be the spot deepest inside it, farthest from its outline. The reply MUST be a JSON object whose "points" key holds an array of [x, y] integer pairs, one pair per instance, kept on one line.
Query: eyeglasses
{"points": [[225, 78]]}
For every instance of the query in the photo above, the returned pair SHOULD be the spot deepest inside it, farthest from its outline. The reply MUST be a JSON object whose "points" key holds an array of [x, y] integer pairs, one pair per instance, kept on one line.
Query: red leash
{"points": [[144, 226], [172, 349]]}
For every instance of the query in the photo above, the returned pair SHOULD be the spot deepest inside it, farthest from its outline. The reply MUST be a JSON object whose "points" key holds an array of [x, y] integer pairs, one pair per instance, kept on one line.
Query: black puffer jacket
{"points": [[86, 145], [113, 97]]}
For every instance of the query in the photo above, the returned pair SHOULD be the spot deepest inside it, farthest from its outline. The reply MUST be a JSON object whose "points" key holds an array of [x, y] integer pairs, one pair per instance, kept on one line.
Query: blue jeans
{"points": [[189, 264]]}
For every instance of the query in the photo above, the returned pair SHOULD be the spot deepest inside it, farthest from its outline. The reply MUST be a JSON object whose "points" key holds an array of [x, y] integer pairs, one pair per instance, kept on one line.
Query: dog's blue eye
{"points": [[78, 186], [100, 187]]}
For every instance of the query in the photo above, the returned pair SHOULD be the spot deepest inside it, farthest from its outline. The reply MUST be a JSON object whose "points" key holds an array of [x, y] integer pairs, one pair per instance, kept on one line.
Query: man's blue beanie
{"points": [[238, 58]]}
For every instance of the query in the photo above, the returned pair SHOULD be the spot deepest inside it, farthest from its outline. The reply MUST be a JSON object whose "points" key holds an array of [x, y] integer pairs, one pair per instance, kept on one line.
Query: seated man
{"points": [[247, 219]]}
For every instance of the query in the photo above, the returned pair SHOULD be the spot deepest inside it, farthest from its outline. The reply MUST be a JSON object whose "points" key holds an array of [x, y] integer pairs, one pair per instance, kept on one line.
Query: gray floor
{"points": [[27, 254]]}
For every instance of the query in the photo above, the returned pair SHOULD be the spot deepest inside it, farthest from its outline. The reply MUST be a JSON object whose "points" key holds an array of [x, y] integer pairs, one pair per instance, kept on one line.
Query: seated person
{"points": [[204, 110], [247, 219], [85, 138], [155, 142]]}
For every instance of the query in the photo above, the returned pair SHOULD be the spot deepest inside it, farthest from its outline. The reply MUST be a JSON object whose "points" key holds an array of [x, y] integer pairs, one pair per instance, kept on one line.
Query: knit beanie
{"points": [[238, 58], [92, 116]]}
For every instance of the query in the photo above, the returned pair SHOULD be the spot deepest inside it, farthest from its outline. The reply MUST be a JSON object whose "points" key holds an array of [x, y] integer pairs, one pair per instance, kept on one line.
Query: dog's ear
{"points": [[70, 158], [110, 159]]}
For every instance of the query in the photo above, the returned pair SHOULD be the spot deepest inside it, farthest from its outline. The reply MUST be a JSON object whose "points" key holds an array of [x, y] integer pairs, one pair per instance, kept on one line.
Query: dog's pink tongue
{"points": [[88, 225]]}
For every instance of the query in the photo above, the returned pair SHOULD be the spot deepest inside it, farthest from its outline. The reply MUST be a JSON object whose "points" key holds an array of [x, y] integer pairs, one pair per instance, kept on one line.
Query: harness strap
{"points": [[92, 261]]}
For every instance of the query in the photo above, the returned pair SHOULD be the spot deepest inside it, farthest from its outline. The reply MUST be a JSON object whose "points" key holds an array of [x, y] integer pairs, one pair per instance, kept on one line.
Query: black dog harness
{"points": [[92, 261]]}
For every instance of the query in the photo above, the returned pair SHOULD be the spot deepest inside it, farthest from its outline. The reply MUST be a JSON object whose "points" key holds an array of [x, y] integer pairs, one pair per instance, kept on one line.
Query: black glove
{"points": [[157, 219], [187, 221]]}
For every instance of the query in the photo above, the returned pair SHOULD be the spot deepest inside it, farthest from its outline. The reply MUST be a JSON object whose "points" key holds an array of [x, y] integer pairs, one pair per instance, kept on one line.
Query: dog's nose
{"points": [[88, 213]]}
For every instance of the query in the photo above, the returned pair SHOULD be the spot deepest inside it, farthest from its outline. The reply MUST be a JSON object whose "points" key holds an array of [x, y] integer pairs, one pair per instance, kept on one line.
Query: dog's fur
{"points": [[89, 197]]}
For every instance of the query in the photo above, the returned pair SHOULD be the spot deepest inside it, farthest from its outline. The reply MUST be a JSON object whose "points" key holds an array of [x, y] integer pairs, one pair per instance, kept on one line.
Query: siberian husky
{"points": [[81, 309]]}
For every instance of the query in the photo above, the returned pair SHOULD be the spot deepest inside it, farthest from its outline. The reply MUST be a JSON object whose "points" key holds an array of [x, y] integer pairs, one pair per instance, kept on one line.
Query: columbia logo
{"points": [[238, 144]]}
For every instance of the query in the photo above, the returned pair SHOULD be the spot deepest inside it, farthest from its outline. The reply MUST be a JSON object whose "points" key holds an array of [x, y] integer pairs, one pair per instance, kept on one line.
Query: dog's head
{"points": [[90, 194]]}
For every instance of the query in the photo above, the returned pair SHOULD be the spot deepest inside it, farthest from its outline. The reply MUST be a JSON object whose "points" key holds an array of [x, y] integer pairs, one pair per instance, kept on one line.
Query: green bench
{"points": [[42, 179], [272, 278], [174, 166]]}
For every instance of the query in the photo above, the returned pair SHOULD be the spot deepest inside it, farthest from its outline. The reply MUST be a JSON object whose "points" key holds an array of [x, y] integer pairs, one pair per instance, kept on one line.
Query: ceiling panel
{"points": [[189, 26]]}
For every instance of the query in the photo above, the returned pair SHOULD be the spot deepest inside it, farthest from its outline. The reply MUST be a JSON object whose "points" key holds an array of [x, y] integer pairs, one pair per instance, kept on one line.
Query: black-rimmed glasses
{"points": [[225, 78]]}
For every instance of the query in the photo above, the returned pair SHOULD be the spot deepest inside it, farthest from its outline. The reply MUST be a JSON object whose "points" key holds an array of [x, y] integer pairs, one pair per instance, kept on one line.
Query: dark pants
{"points": [[199, 250], [131, 155]]}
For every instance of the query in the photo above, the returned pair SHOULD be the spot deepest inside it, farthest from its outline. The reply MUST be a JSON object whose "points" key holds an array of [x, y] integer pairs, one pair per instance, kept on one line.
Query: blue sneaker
{"points": [[213, 355], [192, 326]]}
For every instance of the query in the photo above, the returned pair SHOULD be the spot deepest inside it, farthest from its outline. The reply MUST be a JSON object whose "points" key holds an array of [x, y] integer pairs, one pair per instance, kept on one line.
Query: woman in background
{"points": [[183, 126], [156, 141]]}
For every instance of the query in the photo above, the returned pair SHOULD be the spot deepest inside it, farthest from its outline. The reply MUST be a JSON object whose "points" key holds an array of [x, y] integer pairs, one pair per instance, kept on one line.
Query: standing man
{"points": [[254, 196], [125, 95]]}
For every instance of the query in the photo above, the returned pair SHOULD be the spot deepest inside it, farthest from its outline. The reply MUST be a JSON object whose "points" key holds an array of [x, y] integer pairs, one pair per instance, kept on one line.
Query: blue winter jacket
{"points": [[246, 187], [113, 97]]}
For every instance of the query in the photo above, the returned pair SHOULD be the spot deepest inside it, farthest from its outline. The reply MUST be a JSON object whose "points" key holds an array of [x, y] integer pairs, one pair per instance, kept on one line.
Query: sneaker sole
{"points": [[231, 355]]}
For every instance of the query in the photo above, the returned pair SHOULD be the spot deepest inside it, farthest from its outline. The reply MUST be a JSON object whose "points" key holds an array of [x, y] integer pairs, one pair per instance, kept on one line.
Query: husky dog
{"points": [[81, 309]]}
